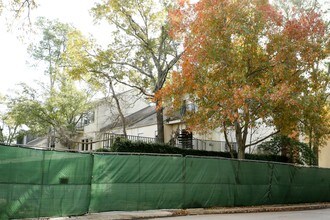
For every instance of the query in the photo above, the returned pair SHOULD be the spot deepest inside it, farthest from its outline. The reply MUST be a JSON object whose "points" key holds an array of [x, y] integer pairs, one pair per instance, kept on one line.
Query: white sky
{"points": [[13, 53]]}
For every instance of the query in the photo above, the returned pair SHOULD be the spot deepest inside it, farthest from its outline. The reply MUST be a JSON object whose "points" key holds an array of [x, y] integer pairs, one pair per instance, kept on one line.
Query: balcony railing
{"points": [[109, 139], [210, 145], [197, 144]]}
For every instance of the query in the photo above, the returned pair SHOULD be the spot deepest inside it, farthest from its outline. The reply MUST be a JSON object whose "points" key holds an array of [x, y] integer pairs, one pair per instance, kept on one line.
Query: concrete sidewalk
{"points": [[149, 214]]}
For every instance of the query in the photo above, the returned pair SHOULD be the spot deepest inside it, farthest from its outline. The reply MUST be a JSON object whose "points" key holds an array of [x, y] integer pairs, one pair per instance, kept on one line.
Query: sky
{"points": [[14, 67], [13, 51]]}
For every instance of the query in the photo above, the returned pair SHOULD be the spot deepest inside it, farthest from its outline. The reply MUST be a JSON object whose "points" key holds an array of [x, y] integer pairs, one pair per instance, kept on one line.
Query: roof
{"points": [[107, 98], [143, 117], [40, 141]]}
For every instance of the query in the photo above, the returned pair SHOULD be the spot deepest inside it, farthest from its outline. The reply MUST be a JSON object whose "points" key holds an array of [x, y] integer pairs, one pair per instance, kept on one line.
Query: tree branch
{"points": [[134, 67], [227, 141], [268, 136]]}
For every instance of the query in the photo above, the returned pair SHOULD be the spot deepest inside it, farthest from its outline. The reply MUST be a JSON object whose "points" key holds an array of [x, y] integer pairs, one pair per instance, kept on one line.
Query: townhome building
{"points": [[99, 127]]}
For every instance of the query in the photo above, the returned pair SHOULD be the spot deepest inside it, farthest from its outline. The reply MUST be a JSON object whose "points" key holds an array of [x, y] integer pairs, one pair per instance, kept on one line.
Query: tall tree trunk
{"points": [[160, 123], [122, 117], [295, 150], [316, 152], [239, 140], [12, 135], [227, 141], [241, 152], [2, 140], [315, 148], [310, 144]]}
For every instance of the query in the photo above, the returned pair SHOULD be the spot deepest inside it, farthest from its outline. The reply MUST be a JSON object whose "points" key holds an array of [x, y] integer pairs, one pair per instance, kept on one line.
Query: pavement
{"points": [[319, 214], [150, 214]]}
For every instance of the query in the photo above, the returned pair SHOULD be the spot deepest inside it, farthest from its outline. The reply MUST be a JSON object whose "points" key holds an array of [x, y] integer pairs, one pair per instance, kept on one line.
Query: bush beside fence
{"points": [[142, 147]]}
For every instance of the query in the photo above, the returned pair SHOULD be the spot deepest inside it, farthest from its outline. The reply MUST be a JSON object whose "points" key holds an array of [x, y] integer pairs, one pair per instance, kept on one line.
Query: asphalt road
{"points": [[320, 214]]}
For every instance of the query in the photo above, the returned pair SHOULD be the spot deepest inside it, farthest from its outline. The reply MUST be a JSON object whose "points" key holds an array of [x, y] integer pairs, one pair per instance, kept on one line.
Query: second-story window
{"points": [[86, 119], [187, 106], [89, 117]]}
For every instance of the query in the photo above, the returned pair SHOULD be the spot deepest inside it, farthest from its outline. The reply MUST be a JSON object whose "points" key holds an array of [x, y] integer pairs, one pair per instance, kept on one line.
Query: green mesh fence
{"points": [[136, 182], [292, 184], [35, 183], [139, 182], [221, 182]]}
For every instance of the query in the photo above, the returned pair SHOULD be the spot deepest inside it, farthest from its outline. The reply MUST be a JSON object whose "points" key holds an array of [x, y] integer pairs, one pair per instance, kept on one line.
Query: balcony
{"points": [[197, 144]]}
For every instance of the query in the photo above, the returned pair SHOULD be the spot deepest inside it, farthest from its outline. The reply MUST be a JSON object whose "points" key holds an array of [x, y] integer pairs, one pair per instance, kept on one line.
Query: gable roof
{"points": [[107, 98], [143, 117]]}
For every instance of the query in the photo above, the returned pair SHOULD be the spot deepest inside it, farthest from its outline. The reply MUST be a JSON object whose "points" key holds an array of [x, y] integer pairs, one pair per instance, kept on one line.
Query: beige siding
{"points": [[170, 129], [147, 131], [324, 156]]}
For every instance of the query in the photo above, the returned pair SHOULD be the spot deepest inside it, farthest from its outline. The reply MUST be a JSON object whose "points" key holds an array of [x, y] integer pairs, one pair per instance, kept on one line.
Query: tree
{"points": [[141, 53], [58, 112], [50, 48], [83, 63], [296, 151], [248, 63], [54, 109], [315, 122], [11, 124], [9, 129], [19, 8]]}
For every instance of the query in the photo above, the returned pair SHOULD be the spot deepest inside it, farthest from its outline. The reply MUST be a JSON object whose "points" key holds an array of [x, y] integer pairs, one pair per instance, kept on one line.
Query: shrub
{"points": [[122, 145], [296, 151]]}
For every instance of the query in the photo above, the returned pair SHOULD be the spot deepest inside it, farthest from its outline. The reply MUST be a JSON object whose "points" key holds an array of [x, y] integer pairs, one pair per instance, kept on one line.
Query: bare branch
{"points": [[262, 139], [227, 141], [134, 67]]}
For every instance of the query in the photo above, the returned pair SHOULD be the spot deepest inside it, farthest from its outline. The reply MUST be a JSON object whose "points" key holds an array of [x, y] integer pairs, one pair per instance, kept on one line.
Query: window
{"points": [[83, 145], [188, 106], [88, 118], [86, 144]]}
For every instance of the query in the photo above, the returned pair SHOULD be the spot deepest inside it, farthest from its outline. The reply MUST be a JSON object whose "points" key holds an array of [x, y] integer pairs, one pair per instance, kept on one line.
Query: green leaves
{"points": [[141, 53], [59, 111], [50, 48], [297, 151], [53, 108]]}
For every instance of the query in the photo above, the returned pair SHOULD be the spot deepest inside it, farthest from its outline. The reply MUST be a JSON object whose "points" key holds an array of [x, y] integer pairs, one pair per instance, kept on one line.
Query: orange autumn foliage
{"points": [[245, 63]]}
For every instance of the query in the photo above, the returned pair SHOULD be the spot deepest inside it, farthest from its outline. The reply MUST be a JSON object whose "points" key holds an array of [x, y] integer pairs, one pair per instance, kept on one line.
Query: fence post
{"points": [[269, 193], [91, 182], [184, 172], [42, 181]]}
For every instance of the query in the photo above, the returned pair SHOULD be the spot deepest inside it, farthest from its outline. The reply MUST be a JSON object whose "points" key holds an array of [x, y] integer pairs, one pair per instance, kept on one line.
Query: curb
{"points": [[163, 213], [252, 209]]}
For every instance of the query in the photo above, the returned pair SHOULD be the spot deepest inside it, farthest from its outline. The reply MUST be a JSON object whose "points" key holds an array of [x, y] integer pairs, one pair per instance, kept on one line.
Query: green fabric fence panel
{"points": [[114, 183], [20, 182], [308, 185], [136, 182], [291, 184], [41, 183], [209, 182], [66, 183], [252, 182], [36, 183], [161, 181], [223, 182], [281, 182]]}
